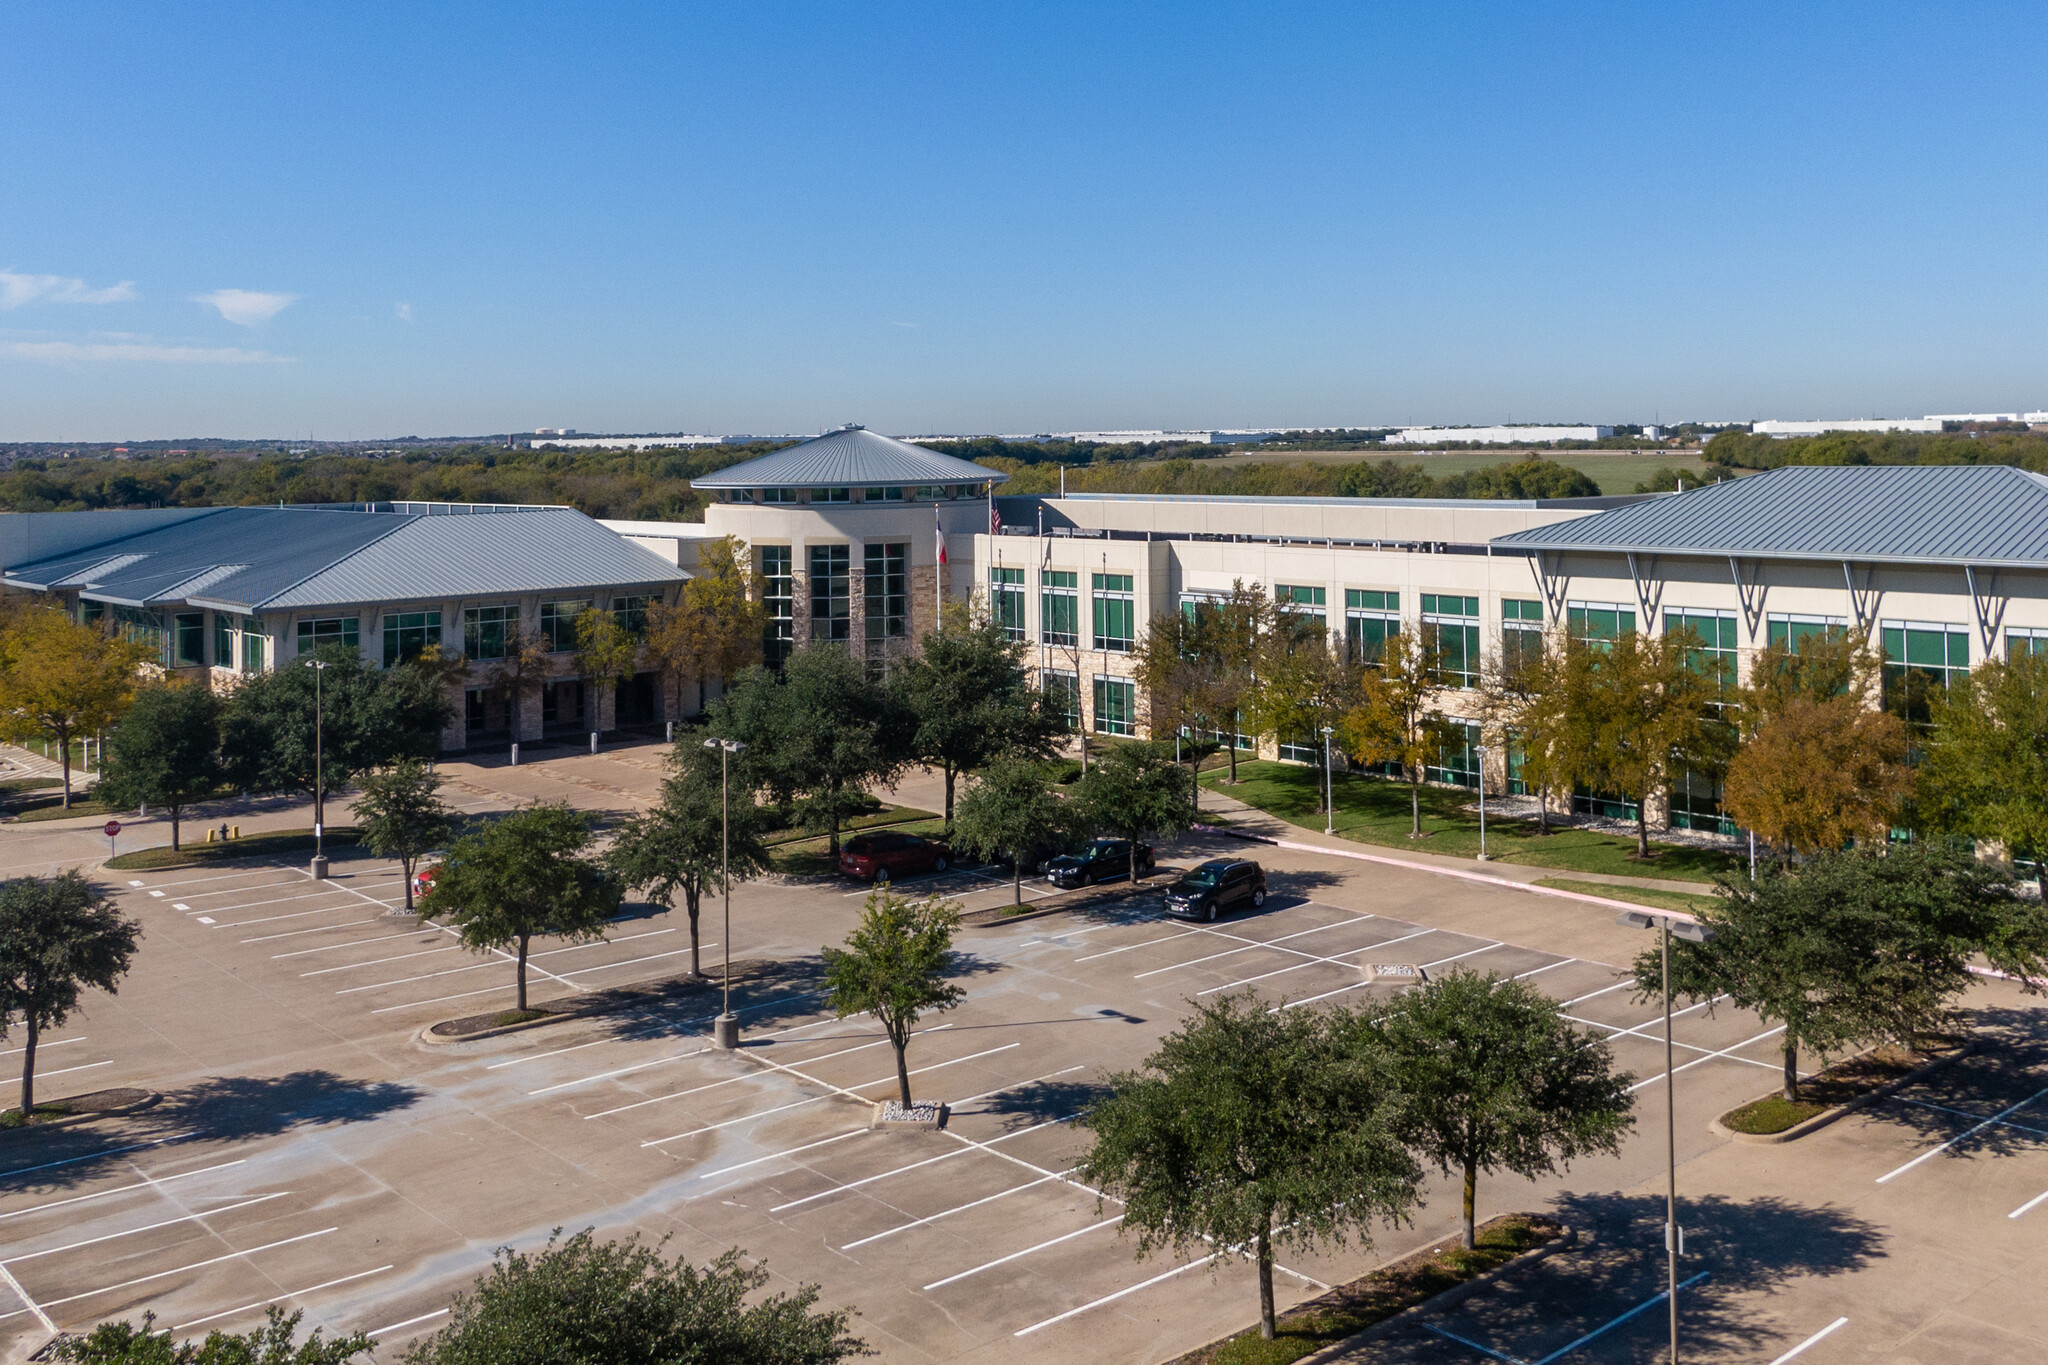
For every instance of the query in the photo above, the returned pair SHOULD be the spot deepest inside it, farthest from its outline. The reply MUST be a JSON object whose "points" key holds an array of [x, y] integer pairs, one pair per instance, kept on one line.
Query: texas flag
{"points": [[940, 528]]}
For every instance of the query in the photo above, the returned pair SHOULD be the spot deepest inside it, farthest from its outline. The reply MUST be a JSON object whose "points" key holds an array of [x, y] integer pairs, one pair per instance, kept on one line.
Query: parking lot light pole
{"points": [[319, 868], [1329, 801], [725, 1030], [1692, 931], [1480, 750]]}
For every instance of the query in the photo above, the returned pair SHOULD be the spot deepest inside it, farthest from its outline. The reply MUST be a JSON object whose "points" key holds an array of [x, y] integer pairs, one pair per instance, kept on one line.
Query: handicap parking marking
{"points": [[1891, 1175]]}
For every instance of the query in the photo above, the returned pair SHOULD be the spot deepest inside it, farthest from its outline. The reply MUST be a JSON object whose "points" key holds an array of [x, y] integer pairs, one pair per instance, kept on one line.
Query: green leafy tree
{"points": [[274, 1343], [399, 815], [678, 847], [1650, 712], [166, 752], [526, 875], [1302, 684], [586, 1302], [1009, 808], [816, 739], [895, 966], [1496, 1078], [62, 680], [368, 718], [1817, 774], [606, 655], [965, 697], [58, 936], [1395, 718], [1856, 946], [1250, 1127], [1984, 762], [1132, 791]]}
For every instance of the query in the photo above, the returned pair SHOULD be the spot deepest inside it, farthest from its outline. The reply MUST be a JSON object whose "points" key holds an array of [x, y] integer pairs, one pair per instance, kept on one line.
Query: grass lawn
{"points": [[27, 784], [809, 857], [887, 815], [248, 846], [1657, 900], [1374, 810], [52, 808]]}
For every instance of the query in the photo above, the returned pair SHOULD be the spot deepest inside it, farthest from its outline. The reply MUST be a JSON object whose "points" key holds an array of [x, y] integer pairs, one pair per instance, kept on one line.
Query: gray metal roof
{"points": [[1988, 515], [850, 458], [281, 558]]}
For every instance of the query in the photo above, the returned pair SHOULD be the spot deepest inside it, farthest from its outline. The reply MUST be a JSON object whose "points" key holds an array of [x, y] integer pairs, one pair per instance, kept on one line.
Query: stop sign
{"points": [[113, 827]]}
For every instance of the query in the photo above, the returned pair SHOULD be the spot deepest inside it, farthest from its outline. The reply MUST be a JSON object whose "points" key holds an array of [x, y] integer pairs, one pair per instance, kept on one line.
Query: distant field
{"points": [[1616, 471]]}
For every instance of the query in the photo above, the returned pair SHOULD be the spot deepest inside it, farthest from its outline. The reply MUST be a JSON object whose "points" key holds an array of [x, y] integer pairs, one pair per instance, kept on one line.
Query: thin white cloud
{"points": [[404, 311], [246, 307], [17, 289], [148, 353]]}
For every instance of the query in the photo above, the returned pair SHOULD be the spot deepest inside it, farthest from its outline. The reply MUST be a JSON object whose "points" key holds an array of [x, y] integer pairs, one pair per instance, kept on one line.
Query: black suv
{"points": [[1216, 886], [1100, 861]]}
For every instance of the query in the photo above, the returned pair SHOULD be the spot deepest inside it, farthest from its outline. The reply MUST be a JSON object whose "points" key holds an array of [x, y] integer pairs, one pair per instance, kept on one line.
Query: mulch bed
{"points": [[1834, 1085], [1351, 1308], [639, 996]]}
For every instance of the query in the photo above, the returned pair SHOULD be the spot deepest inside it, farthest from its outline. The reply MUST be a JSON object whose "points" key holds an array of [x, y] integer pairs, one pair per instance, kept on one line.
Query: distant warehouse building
{"points": [[217, 592], [1496, 436], [1823, 427]]}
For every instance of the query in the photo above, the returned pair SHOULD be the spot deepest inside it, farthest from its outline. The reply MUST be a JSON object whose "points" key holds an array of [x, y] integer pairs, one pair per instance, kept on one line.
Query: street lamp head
{"points": [[1635, 919], [1692, 931], [731, 746]]}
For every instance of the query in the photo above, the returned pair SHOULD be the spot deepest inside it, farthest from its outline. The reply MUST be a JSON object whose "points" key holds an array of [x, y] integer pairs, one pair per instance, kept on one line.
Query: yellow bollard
{"points": [[238, 832]]}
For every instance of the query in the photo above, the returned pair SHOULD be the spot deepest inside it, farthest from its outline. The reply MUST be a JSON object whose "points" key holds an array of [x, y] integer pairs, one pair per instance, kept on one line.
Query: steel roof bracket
{"points": [[1989, 605], [1864, 599], [1649, 587], [1555, 583], [1751, 590]]}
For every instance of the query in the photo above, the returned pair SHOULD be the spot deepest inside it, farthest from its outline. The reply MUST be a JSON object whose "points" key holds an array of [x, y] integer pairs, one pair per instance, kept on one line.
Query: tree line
{"points": [[2012, 444]]}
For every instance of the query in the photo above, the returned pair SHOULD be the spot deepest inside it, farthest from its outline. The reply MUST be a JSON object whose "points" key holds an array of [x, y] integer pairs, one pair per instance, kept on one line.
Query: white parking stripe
{"points": [[1112, 1298], [1133, 947], [531, 959], [322, 929], [410, 1322], [1972, 1132], [789, 1151], [959, 1208], [1248, 948], [2029, 1206], [40, 1075], [118, 1189], [1314, 961], [913, 1166], [666, 1025], [1019, 1255], [693, 1090], [798, 1104], [111, 1151], [1825, 1331], [1708, 1058], [273, 919], [351, 943], [44, 1046], [179, 1270], [293, 1294], [147, 1227], [1966, 1114], [373, 962], [1604, 990]]}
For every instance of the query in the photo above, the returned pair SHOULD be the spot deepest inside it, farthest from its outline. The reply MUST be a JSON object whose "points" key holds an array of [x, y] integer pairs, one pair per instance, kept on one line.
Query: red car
{"points": [[868, 856], [423, 881]]}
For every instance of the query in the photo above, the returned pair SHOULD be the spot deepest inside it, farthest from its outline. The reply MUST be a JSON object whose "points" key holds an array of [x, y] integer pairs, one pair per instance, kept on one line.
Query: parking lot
{"points": [[310, 1151]]}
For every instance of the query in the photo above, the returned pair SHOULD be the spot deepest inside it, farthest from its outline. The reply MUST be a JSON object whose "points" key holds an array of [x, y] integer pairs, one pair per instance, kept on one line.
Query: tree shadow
{"points": [[1043, 1102], [1744, 1246], [2005, 1070]]}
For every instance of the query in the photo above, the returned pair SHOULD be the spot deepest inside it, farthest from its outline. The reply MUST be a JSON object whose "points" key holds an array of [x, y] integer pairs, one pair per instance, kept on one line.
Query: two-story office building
{"points": [[227, 591], [1939, 567]]}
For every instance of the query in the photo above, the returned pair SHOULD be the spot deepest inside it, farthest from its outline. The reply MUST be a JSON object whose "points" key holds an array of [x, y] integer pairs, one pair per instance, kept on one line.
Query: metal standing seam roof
{"points": [[270, 558], [1992, 516], [850, 457]]}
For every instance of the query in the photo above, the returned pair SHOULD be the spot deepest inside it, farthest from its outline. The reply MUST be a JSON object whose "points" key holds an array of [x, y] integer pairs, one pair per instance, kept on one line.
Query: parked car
{"points": [[868, 856], [1216, 887], [423, 880], [1100, 861]]}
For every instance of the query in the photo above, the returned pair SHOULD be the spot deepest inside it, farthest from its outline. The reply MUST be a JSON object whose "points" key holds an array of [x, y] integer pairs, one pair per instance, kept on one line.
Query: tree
{"points": [[123, 1343], [1495, 1077], [1984, 762], [586, 1302], [1248, 1127], [368, 718], [715, 630], [1394, 720], [1132, 791], [1856, 945], [1818, 774], [1229, 635], [62, 680], [1302, 685], [815, 739], [1649, 711], [965, 698], [1009, 808], [521, 876], [678, 846], [606, 655], [894, 966], [166, 751], [399, 816], [58, 936], [1531, 697]]}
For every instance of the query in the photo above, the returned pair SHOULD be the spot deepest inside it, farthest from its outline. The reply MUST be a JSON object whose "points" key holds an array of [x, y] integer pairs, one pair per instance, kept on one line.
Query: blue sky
{"points": [[453, 218]]}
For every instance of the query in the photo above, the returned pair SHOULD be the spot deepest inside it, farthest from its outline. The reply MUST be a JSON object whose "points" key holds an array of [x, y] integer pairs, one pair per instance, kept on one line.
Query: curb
{"points": [[427, 1037], [1828, 1116], [1450, 1298], [1100, 896], [149, 1101]]}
